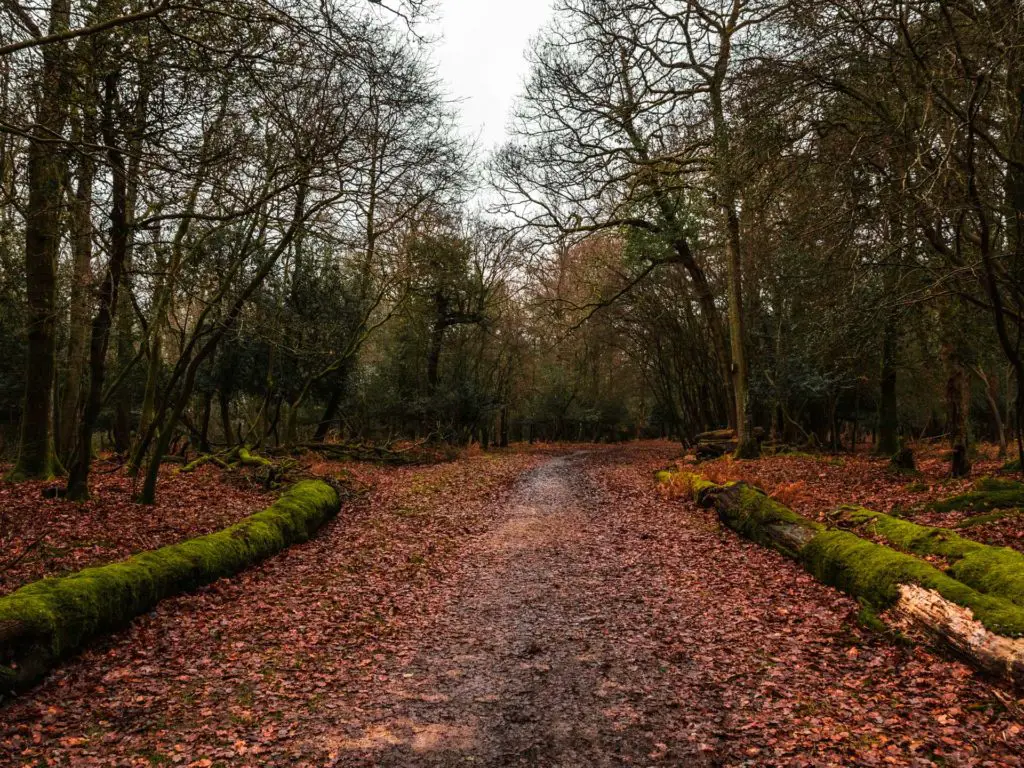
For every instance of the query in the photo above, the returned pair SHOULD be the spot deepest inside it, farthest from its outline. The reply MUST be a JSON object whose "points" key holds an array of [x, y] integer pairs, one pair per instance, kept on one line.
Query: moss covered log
{"points": [[987, 494], [985, 627], [758, 517], [992, 570], [49, 619]]}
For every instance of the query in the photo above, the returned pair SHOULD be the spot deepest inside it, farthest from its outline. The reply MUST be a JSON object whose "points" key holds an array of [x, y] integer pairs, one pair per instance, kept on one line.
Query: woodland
{"points": [[739, 265], [251, 225]]}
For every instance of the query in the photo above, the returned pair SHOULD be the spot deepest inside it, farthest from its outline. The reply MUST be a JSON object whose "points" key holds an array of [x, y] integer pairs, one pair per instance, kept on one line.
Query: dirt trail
{"points": [[527, 666], [596, 625], [513, 610]]}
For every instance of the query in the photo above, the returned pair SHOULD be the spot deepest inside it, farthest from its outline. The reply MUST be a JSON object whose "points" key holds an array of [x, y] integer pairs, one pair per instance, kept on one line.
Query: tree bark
{"points": [[81, 287], [992, 396], [888, 407], [747, 446], [46, 172], [120, 246], [224, 403], [204, 427], [125, 354], [436, 342], [331, 409], [958, 400]]}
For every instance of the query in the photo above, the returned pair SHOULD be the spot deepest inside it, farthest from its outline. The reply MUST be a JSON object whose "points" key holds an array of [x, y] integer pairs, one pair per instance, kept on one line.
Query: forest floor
{"points": [[527, 607], [51, 537], [814, 484]]}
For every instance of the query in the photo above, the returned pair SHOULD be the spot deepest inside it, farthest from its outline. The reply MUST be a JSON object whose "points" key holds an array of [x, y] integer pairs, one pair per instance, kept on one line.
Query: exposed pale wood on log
{"points": [[925, 611]]}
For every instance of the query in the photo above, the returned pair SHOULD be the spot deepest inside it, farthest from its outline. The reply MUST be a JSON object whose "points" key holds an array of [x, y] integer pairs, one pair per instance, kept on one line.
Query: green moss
{"points": [[991, 517], [699, 487], [867, 617], [992, 570], [753, 514], [981, 500], [989, 483], [987, 580], [874, 572], [907, 536], [48, 619], [249, 459], [49, 469]]}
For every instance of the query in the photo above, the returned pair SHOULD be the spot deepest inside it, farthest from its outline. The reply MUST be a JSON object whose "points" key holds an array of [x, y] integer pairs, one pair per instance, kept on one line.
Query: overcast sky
{"points": [[480, 57]]}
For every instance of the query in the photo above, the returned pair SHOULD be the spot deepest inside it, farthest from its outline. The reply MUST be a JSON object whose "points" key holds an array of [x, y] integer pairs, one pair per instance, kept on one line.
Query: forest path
{"points": [[512, 609], [537, 659]]}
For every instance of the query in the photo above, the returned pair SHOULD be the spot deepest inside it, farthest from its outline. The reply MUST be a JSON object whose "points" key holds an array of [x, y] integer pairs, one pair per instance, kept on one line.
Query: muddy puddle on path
{"points": [[525, 667]]}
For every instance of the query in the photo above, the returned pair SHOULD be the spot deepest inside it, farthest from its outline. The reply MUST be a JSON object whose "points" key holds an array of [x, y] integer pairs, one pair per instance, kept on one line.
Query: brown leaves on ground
{"points": [[813, 485], [52, 537], [569, 616], [231, 673]]}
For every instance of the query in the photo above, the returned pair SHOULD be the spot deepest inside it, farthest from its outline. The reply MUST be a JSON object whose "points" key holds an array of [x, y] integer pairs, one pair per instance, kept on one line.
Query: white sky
{"points": [[480, 58]]}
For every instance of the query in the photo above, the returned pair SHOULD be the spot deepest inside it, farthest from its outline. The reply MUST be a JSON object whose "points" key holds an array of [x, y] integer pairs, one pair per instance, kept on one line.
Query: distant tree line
{"points": [[251, 222], [808, 215]]}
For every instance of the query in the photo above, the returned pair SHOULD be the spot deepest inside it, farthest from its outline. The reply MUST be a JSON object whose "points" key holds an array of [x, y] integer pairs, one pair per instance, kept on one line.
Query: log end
{"points": [[957, 628]]}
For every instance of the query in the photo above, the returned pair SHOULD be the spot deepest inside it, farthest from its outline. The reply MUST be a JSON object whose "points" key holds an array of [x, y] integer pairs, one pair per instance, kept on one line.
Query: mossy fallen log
{"points": [[992, 570], [984, 628], [49, 619], [988, 517], [987, 494], [208, 458], [225, 460], [757, 516]]}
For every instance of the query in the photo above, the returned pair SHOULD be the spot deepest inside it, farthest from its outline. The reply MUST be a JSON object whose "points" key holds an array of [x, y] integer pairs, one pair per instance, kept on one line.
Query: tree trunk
{"points": [[125, 354], [224, 402], [204, 429], [747, 446], [45, 175], [504, 429], [120, 246], [330, 410], [125, 312], [436, 342], [81, 287], [958, 400], [992, 396], [888, 407], [953, 627], [728, 190]]}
